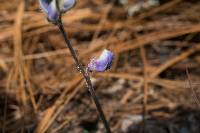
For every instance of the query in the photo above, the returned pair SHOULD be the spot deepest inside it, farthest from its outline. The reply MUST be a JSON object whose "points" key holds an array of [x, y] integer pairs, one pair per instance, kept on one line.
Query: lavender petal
{"points": [[103, 63], [53, 14]]}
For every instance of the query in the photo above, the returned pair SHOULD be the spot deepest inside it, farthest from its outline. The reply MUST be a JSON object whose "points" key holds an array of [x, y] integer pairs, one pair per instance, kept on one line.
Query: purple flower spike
{"points": [[50, 8], [103, 63]]}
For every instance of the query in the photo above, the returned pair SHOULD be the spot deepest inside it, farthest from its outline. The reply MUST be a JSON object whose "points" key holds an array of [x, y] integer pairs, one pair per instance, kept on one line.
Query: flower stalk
{"points": [[85, 74], [82, 69]]}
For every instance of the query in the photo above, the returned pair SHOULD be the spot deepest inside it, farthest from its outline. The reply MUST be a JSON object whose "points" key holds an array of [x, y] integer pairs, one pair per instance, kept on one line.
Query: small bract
{"points": [[103, 63], [50, 8]]}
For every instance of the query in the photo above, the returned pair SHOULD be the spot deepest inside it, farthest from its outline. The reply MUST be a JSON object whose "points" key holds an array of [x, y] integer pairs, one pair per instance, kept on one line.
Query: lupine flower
{"points": [[103, 63], [50, 8]]}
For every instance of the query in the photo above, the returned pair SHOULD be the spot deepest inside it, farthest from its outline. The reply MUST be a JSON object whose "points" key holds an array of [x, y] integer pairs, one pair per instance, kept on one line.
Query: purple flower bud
{"points": [[103, 63], [50, 8], [67, 5], [52, 13]]}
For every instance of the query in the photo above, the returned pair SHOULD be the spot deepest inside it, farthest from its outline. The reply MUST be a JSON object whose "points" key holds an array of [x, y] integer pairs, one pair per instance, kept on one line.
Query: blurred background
{"points": [[152, 86]]}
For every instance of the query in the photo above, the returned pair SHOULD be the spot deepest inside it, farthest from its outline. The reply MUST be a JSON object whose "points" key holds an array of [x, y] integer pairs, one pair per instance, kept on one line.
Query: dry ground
{"points": [[155, 73]]}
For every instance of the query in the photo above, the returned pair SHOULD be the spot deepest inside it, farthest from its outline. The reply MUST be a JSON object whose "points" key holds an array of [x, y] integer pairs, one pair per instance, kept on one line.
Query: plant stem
{"points": [[85, 75]]}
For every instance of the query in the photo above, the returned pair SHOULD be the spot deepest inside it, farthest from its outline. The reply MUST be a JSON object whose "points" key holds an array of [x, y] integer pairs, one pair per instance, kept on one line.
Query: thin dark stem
{"points": [[85, 75]]}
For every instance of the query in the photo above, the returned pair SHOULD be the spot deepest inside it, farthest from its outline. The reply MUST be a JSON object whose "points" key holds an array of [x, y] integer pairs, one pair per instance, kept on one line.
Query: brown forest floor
{"points": [[41, 90]]}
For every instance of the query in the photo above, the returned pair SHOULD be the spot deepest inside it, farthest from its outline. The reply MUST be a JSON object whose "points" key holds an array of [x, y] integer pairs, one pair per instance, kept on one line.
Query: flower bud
{"points": [[103, 63], [50, 8]]}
